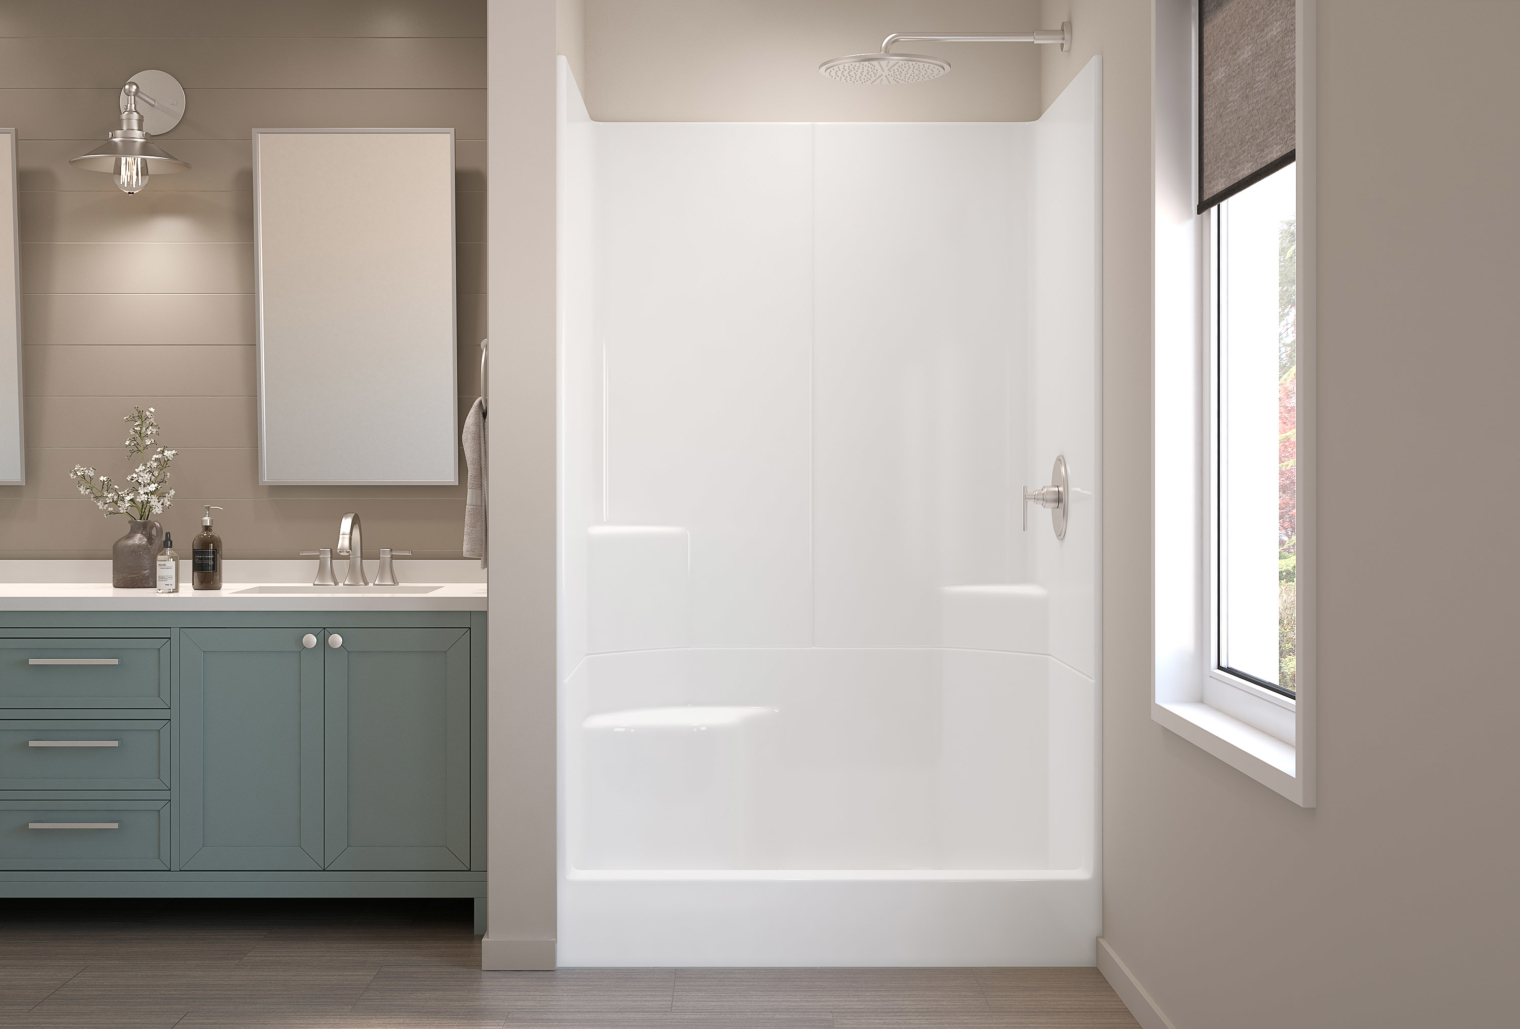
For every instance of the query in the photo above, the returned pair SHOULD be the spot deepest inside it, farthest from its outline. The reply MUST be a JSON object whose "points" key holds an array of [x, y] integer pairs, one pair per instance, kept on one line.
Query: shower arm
{"points": [[1061, 36]]}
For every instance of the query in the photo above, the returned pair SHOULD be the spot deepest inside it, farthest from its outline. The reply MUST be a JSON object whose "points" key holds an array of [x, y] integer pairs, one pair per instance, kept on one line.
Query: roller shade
{"points": [[1246, 120]]}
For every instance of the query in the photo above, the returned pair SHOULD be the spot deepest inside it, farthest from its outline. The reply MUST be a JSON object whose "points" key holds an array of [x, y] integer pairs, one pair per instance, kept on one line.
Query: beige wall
{"points": [[757, 60], [523, 841], [148, 299], [1393, 903], [570, 35]]}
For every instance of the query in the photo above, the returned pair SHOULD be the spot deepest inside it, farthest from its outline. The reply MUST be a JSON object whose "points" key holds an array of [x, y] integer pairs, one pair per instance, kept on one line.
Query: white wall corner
{"points": [[1134, 996]]}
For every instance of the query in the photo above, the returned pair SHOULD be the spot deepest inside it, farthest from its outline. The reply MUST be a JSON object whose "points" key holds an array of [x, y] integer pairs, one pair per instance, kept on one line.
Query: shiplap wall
{"points": [[148, 299]]}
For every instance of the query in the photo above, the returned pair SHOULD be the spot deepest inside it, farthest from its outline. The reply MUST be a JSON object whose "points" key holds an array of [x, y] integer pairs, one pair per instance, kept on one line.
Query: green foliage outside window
{"points": [[1287, 457]]}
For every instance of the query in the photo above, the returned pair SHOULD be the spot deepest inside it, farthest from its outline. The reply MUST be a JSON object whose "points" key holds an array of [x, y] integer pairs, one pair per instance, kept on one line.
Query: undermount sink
{"points": [[353, 591]]}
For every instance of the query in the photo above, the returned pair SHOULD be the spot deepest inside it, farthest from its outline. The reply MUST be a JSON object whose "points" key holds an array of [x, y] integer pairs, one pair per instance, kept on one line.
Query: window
{"points": [[1234, 384], [1255, 460]]}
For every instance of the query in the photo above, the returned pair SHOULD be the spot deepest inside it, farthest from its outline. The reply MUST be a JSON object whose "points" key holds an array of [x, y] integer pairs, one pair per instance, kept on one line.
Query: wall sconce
{"points": [[128, 155]]}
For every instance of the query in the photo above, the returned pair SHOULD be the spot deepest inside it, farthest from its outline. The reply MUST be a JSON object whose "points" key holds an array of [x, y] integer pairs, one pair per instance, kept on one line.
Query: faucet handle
{"points": [[325, 576], [386, 574]]}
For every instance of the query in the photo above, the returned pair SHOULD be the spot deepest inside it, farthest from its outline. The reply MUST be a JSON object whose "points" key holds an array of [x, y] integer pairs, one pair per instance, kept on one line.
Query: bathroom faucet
{"points": [[351, 546]]}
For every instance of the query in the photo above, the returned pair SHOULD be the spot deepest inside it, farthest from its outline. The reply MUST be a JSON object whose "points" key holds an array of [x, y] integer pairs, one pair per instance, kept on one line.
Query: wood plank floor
{"points": [[157, 964]]}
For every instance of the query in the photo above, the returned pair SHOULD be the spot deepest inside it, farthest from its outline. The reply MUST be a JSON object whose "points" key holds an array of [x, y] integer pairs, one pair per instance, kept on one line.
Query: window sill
{"points": [[1256, 706], [1263, 757]]}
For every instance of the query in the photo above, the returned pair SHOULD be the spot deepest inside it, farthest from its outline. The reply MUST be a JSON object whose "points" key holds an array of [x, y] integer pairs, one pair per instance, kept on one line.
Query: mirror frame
{"points": [[10, 321], [453, 476]]}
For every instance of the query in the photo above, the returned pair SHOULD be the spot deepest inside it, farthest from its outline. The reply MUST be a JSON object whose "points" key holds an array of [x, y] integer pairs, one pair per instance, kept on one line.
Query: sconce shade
{"points": [[104, 158]]}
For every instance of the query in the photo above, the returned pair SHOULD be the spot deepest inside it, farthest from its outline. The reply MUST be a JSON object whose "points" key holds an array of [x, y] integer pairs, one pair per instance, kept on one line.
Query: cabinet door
{"points": [[250, 723], [398, 749]]}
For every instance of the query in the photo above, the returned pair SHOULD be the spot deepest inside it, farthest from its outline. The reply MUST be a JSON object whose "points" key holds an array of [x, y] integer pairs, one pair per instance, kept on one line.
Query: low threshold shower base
{"points": [[854, 919]]}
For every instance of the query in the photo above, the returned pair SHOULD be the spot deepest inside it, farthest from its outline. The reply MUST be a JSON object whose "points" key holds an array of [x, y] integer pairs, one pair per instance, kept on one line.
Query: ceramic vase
{"points": [[133, 556]]}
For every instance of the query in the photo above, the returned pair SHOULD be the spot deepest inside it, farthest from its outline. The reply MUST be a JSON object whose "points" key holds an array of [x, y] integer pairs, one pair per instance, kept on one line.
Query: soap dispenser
{"points": [[168, 567], [206, 556]]}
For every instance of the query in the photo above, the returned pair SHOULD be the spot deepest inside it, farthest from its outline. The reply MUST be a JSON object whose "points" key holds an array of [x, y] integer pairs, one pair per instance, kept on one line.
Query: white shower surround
{"points": [[821, 701]]}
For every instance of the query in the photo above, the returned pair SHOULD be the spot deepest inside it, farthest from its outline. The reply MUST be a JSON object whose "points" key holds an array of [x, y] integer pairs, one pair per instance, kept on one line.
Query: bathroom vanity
{"points": [[266, 740]]}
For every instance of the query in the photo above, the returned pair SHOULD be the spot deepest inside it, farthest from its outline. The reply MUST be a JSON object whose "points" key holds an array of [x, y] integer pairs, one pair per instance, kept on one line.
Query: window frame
{"points": [[1262, 732]]}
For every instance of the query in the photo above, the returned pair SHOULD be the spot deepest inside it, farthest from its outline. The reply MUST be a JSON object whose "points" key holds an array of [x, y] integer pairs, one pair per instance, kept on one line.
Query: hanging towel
{"points": [[475, 486]]}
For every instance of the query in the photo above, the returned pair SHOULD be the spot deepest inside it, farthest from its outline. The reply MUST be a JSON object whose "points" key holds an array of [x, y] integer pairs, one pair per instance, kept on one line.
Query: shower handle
{"points": [[1045, 496], [1056, 497]]}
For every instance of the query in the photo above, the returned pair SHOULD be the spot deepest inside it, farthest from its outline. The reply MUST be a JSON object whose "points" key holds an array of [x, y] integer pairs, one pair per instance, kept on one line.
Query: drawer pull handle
{"points": [[73, 743], [73, 825], [73, 661]]}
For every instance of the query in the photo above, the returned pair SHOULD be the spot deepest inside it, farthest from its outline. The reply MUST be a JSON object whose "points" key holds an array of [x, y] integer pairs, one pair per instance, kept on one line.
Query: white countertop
{"points": [[85, 586]]}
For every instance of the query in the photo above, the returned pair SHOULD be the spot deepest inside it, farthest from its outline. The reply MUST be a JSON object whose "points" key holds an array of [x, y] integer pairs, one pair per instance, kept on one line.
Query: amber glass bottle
{"points": [[206, 556]]}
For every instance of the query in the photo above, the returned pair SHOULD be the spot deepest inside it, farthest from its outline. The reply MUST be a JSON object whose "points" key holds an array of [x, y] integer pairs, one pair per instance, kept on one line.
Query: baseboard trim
{"points": [[516, 955], [1129, 989]]}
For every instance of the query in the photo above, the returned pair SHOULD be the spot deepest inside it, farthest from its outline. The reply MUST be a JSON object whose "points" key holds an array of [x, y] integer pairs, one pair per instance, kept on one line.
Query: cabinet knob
{"points": [[308, 641], [335, 641]]}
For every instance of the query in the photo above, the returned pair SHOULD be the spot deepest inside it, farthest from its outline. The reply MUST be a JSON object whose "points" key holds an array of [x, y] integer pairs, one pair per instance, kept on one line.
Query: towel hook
{"points": [[485, 353]]}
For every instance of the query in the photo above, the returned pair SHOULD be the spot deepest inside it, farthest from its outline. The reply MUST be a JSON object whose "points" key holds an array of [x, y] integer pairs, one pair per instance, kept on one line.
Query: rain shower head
{"points": [[884, 69], [889, 69]]}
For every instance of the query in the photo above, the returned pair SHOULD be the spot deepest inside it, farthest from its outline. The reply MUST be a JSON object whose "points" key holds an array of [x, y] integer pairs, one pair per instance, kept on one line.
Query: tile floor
{"points": [[155, 964]]}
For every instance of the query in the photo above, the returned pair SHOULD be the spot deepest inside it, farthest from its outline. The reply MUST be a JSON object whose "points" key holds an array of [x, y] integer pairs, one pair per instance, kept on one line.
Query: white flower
{"points": [[145, 493]]}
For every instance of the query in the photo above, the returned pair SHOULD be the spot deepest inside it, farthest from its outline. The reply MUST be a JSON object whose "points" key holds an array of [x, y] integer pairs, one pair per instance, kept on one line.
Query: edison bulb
{"points": [[131, 174]]}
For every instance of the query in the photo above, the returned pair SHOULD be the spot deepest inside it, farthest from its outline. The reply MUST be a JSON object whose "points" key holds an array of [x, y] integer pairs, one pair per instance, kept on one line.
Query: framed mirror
{"points": [[12, 442], [354, 261]]}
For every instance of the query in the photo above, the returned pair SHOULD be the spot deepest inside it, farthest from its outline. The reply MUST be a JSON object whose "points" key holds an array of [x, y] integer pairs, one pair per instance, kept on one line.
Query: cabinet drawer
{"points": [[84, 835], [84, 754], [84, 673]]}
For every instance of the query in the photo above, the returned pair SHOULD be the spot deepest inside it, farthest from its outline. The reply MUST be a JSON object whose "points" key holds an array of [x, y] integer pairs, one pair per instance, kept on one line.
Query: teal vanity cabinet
{"points": [[242, 753], [250, 731], [398, 749]]}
